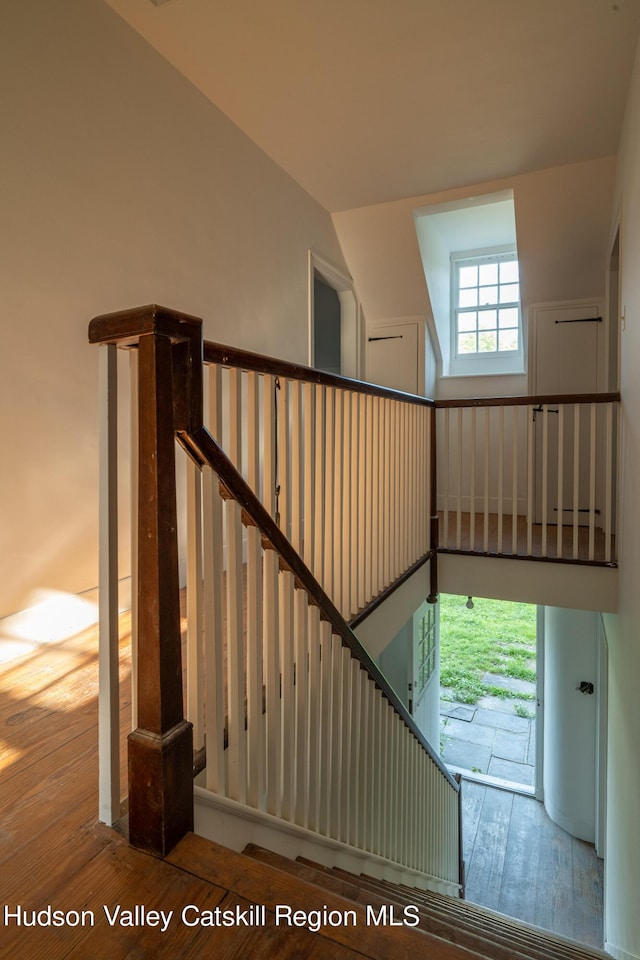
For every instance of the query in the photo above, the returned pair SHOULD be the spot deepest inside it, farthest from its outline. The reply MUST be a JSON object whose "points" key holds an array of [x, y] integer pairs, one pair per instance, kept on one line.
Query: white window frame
{"points": [[483, 363]]}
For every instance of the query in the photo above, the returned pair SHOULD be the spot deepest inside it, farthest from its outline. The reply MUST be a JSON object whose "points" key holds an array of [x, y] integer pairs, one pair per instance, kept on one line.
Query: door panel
{"points": [[392, 356], [567, 341]]}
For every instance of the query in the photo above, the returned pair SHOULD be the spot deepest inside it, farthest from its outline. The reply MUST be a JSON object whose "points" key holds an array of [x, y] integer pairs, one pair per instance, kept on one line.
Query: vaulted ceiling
{"points": [[365, 101]]}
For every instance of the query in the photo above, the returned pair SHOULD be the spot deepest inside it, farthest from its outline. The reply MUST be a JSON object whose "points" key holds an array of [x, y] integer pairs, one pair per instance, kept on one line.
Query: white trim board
{"points": [[234, 825], [351, 350]]}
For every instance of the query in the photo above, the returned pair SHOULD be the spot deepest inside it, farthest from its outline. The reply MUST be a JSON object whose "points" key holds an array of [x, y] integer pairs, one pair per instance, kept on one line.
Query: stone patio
{"points": [[489, 738]]}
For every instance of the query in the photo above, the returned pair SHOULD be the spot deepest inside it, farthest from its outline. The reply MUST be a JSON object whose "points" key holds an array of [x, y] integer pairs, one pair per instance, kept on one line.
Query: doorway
{"points": [[335, 320], [327, 353], [490, 678]]}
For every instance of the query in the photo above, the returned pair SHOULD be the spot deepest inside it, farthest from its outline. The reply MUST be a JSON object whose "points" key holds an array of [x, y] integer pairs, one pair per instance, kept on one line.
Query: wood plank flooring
{"points": [[520, 863], [53, 852]]}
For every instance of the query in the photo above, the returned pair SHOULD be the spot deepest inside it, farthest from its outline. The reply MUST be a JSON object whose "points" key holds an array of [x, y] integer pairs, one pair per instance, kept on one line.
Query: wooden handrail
{"points": [[204, 449], [530, 401], [245, 360]]}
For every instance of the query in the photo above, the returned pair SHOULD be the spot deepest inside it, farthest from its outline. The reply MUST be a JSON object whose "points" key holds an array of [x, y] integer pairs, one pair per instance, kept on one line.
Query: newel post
{"points": [[161, 748]]}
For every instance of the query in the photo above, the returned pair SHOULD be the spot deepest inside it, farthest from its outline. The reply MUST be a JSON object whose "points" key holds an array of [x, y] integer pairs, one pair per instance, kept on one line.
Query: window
{"points": [[426, 660], [486, 292], [486, 319]]}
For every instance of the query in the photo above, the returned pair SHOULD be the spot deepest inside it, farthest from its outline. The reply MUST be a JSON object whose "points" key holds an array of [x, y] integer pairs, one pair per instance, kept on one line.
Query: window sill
{"points": [[520, 372], [489, 367]]}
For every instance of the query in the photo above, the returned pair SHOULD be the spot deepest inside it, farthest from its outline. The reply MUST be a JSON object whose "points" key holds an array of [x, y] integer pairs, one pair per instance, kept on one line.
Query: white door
{"points": [[566, 340], [393, 356]]}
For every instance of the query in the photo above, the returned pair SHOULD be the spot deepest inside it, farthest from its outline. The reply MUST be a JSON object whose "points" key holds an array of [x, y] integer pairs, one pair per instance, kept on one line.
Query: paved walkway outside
{"points": [[489, 737]]}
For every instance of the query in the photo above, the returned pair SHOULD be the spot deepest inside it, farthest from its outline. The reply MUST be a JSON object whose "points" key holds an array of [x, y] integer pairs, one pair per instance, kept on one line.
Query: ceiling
{"points": [[366, 101]]}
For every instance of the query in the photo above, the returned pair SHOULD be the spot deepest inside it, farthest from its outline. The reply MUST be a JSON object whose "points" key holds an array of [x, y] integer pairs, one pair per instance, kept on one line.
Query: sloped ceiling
{"points": [[367, 101]]}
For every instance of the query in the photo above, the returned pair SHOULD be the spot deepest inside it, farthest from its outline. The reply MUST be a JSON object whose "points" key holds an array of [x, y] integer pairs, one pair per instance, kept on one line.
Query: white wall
{"points": [[622, 917], [562, 219], [122, 186], [570, 644]]}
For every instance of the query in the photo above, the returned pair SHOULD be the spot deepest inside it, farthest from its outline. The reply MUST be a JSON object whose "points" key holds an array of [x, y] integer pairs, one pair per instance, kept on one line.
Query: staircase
{"points": [[296, 739], [357, 916]]}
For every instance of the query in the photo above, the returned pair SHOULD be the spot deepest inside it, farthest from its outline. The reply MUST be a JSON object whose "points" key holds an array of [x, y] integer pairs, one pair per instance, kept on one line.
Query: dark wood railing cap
{"points": [[127, 326], [246, 360], [529, 401]]}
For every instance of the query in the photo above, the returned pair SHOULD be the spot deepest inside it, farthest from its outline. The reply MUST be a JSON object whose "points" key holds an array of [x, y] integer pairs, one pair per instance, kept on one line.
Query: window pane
{"points": [[467, 321], [510, 293], [468, 298], [488, 273], [468, 277], [508, 317], [509, 271], [508, 340], [466, 343], [488, 295], [487, 320], [486, 342]]}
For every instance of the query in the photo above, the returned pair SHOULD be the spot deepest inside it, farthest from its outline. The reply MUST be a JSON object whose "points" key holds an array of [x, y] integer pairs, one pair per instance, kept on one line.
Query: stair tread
{"points": [[325, 877], [311, 873], [480, 922], [478, 918], [264, 884]]}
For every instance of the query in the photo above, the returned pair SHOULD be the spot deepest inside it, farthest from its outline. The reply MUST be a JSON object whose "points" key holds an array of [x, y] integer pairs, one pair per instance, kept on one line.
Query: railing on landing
{"points": [[362, 772], [529, 477]]}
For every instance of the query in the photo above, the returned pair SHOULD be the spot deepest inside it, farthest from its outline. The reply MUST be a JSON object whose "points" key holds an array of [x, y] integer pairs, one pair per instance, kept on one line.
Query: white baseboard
{"points": [[619, 954], [234, 825]]}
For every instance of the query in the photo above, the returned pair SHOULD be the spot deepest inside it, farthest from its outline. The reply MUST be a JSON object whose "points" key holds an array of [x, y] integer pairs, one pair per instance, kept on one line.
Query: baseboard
{"points": [[234, 825], [619, 954], [582, 830]]}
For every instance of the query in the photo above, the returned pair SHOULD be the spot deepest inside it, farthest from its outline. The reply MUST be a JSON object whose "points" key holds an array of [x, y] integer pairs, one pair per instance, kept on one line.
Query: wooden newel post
{"points": [[161, 748]]}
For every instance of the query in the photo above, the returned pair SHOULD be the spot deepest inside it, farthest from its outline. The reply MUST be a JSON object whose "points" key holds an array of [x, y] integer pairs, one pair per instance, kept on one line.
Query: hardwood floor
{"points": [[54, 855], [520, 863], [52, 851]]}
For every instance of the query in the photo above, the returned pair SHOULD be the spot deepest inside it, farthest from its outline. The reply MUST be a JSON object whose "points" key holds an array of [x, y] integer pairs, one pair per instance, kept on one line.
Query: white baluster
{"points": [[195, 672], [500, 475], [576, 476], [560, 478], [287, 693], [592, 483], [213, 623], [108, 644], [608, 485], [255, 720]]}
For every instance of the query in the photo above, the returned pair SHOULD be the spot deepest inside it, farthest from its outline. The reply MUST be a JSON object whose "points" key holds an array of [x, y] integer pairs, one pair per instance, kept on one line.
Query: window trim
{"points": [[483, 363]]}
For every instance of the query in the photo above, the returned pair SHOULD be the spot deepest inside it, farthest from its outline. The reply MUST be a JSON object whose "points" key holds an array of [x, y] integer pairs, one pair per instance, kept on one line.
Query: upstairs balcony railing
{"points": [[529, 477]]}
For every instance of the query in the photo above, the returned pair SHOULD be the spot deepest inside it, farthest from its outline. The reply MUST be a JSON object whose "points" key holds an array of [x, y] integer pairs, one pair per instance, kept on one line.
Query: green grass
{"points": [[495, 637]]}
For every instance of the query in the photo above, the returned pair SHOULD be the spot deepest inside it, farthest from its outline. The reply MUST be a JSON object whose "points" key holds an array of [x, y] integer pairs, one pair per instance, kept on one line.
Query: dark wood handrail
{"points": [[245, 360], [530, 401], [260, 363], [204, 449]]}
